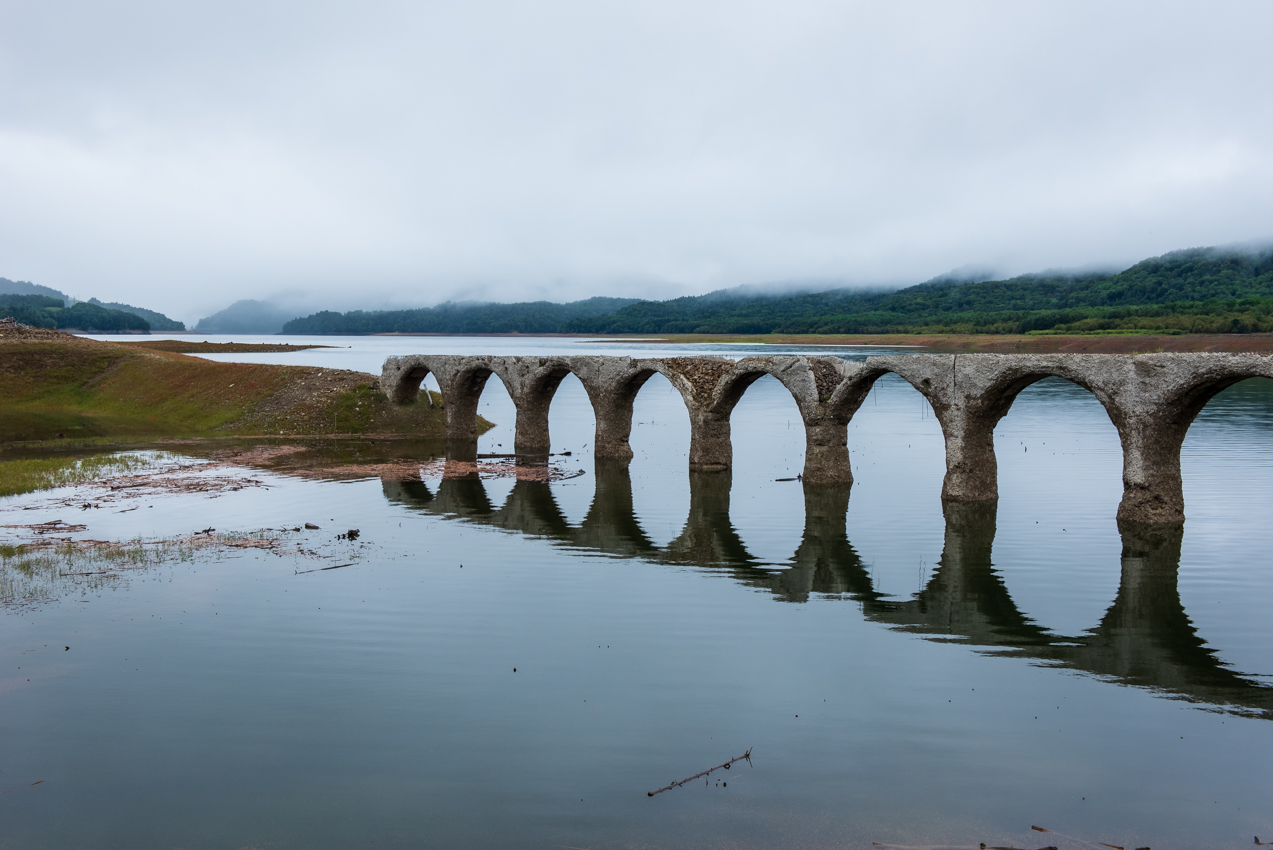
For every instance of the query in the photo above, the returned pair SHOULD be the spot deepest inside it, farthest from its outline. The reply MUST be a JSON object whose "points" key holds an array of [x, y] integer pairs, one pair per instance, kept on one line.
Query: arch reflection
{"points": [[1145, 639]]}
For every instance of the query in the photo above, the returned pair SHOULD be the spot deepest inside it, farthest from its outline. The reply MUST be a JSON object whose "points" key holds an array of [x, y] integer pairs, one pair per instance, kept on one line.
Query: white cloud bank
{"points": [[182, 156]]}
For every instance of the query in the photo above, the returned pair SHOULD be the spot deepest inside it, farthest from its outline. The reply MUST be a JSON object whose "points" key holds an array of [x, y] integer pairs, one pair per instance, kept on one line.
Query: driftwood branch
{"points": [[725, 766], [321, 569]]}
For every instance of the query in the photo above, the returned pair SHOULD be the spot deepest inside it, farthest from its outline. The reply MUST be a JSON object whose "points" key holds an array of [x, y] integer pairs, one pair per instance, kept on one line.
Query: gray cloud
{"points": [[182, 156]]}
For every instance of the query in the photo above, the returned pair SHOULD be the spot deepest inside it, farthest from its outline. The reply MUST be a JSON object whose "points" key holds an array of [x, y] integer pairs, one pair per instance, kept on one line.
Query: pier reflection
{"points": [[1145, 639]]}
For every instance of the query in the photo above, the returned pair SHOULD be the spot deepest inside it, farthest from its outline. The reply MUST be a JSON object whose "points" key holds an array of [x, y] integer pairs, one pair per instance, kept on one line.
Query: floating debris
{"points": [[725, 766]]}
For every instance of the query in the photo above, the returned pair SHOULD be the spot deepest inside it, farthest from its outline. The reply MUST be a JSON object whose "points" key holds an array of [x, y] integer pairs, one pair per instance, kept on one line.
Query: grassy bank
{"points": [[57, 387]]}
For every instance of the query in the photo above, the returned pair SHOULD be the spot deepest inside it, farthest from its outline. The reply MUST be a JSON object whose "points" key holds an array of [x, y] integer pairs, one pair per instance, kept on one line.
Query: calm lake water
{"points": [[901, 675]]}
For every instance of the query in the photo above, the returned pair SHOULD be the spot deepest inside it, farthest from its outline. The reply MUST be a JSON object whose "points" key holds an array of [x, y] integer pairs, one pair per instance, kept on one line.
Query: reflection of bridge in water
{"points": [[1145, 638]]}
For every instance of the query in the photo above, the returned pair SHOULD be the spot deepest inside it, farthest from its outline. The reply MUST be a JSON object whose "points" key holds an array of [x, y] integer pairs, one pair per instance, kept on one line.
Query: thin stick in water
{"points": [[746, 755]]}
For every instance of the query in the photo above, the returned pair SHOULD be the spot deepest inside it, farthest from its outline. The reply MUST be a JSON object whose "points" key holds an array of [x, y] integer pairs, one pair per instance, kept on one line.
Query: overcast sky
{"points": [[180, 156]]}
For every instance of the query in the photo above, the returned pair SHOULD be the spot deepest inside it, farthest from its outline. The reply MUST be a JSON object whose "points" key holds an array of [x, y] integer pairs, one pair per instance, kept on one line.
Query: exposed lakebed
{"points": [[901, 674]]}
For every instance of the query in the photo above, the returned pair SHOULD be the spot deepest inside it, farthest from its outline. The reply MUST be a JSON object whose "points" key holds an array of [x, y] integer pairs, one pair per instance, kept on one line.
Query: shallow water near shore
{"points": [[496, 661]]}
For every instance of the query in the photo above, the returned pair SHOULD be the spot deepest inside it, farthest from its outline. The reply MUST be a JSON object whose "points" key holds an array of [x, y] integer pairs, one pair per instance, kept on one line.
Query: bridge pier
{"points": [[531, 383], [612, 439], [1152, 403], [826, 451], [612, 384], [968, 397], [711, 449], [972, 469], [461, 385], [1153, 491]]}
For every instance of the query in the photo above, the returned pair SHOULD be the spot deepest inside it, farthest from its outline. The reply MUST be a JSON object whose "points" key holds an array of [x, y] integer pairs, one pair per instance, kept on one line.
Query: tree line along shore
{"points": [[1198, 291]]}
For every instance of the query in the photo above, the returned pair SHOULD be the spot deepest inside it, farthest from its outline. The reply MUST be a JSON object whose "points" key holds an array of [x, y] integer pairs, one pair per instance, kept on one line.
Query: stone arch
{"points": [[975, 410], [853, 392], [1161, 397], [461, 380], [401, 378], [1068, 440], [1208, 426], [970, 393], [531, 383], [792, 371], [838, 407], [712, 386], [770, 407], [1152, 400], [612, 385]]}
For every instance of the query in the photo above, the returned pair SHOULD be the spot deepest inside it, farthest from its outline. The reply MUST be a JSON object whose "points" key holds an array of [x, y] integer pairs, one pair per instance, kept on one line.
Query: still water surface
{"points": [[902, 674]]}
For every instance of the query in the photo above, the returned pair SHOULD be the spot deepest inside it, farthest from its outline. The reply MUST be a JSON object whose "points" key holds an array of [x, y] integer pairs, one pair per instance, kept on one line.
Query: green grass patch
{"points": [[47, 473], [84, 392]]}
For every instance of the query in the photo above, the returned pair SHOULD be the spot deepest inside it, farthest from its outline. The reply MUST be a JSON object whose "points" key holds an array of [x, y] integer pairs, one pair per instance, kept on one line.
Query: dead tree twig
{"points": [[725, 766], [321, 569]]}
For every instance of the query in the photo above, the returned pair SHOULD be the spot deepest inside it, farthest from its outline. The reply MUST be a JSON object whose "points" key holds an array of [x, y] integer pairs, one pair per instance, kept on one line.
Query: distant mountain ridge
{"points": [[1231, 288], [246, 317], [26, 287], [530, 317], [157, 321], [1197, 290]]}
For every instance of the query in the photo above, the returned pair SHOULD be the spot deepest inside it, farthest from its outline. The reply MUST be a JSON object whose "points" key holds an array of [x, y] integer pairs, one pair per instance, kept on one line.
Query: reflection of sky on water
{"points": [[378, 702]]}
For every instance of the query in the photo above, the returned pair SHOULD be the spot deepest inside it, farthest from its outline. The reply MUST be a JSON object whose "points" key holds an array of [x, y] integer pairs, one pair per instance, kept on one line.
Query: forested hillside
{"points": [[43, 311], [532, 317], [1201, 290], [55, 300], [157, 321]]}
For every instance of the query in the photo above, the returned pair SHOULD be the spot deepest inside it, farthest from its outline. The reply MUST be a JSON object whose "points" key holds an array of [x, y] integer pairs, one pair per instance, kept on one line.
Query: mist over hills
{"points": [[157, 321], [1197, 290], [45, 307], [246, 317], [1200, 290], [533, 317], [26, 287]]}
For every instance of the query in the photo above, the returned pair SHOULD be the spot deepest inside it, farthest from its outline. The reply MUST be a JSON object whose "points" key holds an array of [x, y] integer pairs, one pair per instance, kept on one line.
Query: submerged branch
{"points": [[725, 766]]}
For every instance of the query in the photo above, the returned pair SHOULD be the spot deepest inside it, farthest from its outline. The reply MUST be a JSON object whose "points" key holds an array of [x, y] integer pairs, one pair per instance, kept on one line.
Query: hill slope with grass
{"points": [[54, 386]]}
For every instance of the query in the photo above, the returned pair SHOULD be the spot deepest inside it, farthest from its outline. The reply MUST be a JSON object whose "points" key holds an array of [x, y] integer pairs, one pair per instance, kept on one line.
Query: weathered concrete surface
{"points": [[1151, 399]]}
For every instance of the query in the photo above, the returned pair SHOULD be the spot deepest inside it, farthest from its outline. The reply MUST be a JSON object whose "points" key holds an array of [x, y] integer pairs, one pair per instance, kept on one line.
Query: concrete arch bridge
{"points": [[1151, 399]]}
